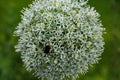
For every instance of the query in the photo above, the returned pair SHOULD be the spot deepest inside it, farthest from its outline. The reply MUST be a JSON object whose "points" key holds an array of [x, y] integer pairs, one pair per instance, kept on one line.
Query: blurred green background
{"points": [[11, 65]]}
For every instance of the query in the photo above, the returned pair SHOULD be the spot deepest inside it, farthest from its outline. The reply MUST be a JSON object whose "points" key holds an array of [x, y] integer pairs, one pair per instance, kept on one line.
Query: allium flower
{"points": [[59, 39]]}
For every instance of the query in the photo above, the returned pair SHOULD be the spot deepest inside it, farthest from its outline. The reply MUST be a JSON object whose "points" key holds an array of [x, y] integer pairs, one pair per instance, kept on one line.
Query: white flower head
{"points": [[59, 39]]}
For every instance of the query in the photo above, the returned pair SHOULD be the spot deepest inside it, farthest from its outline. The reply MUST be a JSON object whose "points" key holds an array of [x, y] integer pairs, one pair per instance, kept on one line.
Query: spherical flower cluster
{"points": [[59, 39]]}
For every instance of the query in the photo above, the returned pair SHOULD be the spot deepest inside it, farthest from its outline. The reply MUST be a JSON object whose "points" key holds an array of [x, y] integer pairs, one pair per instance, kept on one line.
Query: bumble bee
{"points": [[47, 49]]}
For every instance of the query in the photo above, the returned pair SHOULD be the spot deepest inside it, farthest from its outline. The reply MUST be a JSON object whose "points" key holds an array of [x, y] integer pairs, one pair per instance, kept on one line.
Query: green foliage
{"points": [[11, 65]]}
